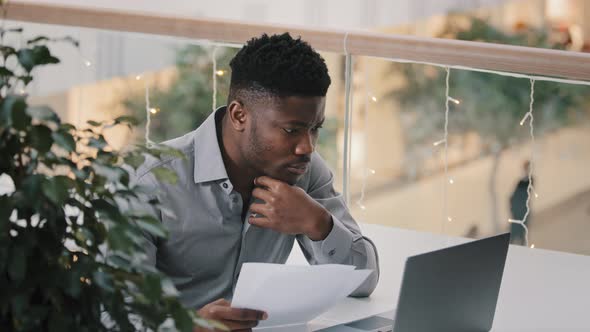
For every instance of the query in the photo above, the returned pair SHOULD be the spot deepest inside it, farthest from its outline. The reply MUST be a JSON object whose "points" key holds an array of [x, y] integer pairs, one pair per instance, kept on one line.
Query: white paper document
{"points": [[294, 294]]}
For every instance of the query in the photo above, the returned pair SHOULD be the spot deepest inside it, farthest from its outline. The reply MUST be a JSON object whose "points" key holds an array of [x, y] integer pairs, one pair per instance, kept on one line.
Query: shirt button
{"points": [[331, 252], [225, 185]]}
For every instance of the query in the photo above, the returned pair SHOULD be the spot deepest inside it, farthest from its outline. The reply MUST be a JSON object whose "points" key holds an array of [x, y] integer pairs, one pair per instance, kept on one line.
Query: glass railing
{"points": [[397, 161]]}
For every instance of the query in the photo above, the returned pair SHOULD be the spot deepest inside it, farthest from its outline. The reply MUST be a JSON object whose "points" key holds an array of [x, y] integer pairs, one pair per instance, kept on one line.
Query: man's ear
{"points": [[238, 115]]}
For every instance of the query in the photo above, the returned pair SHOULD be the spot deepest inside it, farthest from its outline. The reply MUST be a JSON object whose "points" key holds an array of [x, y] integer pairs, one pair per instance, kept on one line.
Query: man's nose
{"points": [[306, 145]]}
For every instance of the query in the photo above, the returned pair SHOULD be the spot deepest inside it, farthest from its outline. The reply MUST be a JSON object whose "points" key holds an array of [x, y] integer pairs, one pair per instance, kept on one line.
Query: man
{"points": [[252, 184]]}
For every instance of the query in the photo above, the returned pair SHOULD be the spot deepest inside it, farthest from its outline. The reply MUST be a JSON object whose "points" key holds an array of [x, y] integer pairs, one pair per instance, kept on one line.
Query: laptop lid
{"points": [[452, 289]]}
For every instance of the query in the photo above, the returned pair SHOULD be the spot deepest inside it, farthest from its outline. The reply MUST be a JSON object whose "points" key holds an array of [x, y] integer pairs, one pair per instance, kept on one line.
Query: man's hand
{"points": [[289, 209], [235, 319]]}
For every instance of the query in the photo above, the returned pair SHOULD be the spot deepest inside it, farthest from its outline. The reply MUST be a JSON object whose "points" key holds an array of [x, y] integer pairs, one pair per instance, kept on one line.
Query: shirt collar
{"points": [[209, 164]]}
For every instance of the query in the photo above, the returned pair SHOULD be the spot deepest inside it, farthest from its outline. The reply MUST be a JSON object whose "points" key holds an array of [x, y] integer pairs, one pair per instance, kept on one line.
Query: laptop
{"points": [[453, 289]]}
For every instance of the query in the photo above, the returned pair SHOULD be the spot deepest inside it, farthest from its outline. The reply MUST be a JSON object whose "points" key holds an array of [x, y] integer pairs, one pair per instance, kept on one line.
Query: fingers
{"points": [[263, 194], [268, 182], [234, 318], [261, 210]]}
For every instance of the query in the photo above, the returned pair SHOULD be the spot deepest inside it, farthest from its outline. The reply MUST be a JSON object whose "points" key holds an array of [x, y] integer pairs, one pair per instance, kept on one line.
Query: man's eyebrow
{"points": [[303, 124]]}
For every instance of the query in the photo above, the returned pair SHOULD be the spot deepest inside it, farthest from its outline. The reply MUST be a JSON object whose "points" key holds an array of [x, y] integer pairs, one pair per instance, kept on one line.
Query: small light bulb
{"points": [[75, 258], [532, 246], [451, 181], [138, 77], [154, 110], [372, 171], [449, 219], [439, 142], [456, 101], [220, 72], [87, 63], [374, 99]]}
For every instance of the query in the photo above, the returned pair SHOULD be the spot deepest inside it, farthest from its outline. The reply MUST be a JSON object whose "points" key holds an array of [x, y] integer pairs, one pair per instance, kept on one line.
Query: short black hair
{"points": [[278, 66]]}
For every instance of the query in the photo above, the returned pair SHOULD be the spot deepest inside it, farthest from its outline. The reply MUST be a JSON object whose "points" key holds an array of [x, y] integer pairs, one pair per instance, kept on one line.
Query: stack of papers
{"points": [[293, 294]]}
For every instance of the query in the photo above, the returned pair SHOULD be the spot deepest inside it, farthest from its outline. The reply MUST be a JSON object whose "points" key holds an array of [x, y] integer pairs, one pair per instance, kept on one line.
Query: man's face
{"points": [[282, 136]]}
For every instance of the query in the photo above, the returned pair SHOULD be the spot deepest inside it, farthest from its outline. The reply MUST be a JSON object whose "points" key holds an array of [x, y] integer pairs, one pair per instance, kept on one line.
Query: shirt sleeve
{"points": [[345, 243]]}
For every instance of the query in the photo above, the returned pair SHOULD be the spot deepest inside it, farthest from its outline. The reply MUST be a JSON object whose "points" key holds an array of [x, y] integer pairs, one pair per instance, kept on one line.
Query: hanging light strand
{"points": [[148, 112], [366, 170], [347, 121], [446, 217], [530, 187], [214, 76]]}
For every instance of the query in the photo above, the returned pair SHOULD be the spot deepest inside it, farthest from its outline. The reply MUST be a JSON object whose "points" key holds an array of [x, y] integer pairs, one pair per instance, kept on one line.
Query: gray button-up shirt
{"points": [[208, 241]]}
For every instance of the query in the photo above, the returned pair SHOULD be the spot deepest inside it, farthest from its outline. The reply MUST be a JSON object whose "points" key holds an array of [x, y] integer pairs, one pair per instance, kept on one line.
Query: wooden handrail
{"points": [[517, 59]]}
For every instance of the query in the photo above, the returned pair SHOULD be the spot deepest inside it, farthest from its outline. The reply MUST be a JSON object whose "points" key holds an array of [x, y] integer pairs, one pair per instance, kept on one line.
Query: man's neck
{"points": [[241, 176]]}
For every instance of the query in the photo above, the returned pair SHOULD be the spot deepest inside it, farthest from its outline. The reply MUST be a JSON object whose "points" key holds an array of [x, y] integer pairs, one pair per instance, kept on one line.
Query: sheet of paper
{"points": [[292, 294]]}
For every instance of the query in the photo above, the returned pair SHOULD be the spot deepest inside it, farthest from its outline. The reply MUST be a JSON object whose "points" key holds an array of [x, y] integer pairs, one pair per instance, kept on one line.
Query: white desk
{"points": [[541, 289]]}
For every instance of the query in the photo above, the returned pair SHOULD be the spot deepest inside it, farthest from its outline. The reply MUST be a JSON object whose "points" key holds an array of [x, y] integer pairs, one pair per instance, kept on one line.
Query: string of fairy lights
{"points": [[370, 97]]}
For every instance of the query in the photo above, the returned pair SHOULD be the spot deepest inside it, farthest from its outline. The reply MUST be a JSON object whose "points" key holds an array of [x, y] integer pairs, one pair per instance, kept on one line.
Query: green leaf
{"points": [[65, 140], [135, 160], [37, 39], [97, 143], [165, 175], [152, 288], [32, 187], [182, 318], [56, 189], [112, 173], [18, 264], [130, 120], [7, 51], [168, 287], [13, 112], [152, 226], [44, 113], [118, 260], [70, 40], [103, 280], [168, 151], [108, 210], [94, 123], [67, 127], [83, 235], [6, 72], [26, 58], [40, 138], [5, 212], [73, 285], [26, 79], [29, 58]]}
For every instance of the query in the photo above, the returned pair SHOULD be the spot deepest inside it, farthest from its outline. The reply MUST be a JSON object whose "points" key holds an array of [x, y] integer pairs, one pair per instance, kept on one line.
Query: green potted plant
{"points": [[70, 255]]}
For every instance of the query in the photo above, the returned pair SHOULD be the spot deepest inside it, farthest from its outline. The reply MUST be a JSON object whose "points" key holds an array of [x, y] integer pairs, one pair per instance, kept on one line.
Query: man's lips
{"points": [[299, 168]]}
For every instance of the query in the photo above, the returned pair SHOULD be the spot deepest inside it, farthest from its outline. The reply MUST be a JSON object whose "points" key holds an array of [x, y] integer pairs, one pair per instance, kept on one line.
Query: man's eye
{"points": [[317, 128], [289, 130]]}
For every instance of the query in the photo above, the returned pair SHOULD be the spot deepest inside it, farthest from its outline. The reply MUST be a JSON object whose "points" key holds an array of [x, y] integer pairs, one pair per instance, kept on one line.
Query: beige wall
{"points": [[562, 161]]}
